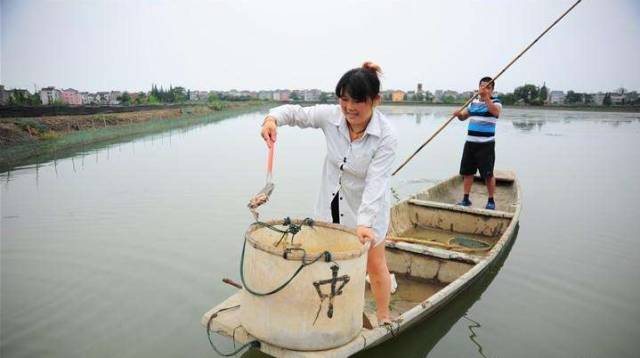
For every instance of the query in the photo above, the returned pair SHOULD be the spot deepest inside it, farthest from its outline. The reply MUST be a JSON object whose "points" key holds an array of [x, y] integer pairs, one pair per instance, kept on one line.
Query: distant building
{"points": [[556, 97], [544, 89], [428, 96], [201, 96], [4, 96], [450, 93], [285, 95], [113, 98], [386, 95], [193, 96], [619, 96], [71, 96], [248, 94], [312, 95], [437, 96], [134, 96], [50, 95], [419, 92], [467, 94], [84, 96], [265, 95], [598, 98], [328, 96], [103, 97], [397, 96], [281, 95]]}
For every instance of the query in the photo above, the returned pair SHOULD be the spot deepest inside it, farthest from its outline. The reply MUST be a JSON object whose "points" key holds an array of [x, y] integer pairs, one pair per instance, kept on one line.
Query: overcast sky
{"points": [[296, 44]]}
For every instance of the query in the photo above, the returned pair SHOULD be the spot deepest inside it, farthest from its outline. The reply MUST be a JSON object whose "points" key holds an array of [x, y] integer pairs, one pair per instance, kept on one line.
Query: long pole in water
{"points": [[476, 93]]}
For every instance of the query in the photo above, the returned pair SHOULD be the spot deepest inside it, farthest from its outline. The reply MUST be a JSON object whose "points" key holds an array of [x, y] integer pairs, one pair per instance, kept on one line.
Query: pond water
{"points": [[118, 250]]}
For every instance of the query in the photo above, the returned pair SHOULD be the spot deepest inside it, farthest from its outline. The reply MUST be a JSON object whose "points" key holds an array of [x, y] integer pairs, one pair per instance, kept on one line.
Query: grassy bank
{"points": [[25, 141]]}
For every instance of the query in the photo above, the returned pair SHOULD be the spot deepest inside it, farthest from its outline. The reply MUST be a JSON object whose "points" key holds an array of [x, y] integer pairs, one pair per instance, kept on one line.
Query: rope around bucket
{"points": [[292, 229], [252, 344]]}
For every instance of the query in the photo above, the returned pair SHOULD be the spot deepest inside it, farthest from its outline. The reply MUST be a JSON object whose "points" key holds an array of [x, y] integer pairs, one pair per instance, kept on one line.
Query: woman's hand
{"points": [[269, 131], [364, 234]]}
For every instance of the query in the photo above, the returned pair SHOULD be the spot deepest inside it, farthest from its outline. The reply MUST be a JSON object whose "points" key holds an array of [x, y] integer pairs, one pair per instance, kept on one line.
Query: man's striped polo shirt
{"points": [[482, 124]]}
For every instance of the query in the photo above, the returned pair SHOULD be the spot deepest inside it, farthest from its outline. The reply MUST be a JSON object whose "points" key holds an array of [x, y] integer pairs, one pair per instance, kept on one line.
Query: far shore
{"points": [[617, 109], [29, 140], [630, 109]]}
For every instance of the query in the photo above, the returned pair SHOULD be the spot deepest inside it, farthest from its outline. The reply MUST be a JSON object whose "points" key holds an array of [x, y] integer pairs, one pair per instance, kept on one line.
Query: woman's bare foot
{"points": [[384, 320]]}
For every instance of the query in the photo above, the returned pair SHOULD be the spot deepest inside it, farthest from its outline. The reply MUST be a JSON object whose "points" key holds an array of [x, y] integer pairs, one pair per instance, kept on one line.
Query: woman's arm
{"points": [[303, 117], [377, 182], [294, 115]]}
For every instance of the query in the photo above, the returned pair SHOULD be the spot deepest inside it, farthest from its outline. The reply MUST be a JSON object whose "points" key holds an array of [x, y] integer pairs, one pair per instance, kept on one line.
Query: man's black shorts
{"points": [[478, 156]]}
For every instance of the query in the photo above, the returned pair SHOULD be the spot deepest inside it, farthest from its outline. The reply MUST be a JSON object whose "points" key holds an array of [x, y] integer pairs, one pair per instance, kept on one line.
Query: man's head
{"points": [[485, 80]]}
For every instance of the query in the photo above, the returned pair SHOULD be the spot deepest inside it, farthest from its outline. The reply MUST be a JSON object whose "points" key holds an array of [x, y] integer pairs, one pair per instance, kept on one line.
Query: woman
{"points": [[355, 179]]}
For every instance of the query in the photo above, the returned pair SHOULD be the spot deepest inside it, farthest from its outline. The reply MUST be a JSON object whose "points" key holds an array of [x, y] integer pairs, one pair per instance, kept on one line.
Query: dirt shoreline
{"points": [[25, 141]]}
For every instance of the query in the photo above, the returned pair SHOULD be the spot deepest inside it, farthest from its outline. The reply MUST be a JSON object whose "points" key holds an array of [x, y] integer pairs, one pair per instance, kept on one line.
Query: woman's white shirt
{"points": [[359, 171]]}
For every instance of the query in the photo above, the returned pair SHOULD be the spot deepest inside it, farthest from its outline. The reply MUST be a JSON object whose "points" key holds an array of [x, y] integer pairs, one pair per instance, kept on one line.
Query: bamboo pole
{"points": [[476, 93]]}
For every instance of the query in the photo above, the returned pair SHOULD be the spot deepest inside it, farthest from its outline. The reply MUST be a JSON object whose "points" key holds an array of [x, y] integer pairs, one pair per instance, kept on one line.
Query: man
{"points": [[479, 149]]}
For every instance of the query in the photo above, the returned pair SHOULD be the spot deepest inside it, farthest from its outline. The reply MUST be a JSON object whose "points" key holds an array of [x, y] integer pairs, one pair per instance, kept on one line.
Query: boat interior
{"points": [[432, 241]]}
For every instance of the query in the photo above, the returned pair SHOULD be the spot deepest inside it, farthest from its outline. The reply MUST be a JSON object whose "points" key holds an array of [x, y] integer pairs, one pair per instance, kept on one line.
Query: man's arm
{"points": [[462, 115]]}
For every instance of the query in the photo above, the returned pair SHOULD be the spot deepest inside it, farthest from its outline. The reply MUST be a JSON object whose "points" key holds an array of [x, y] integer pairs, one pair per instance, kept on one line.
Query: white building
{"points": [[194, 96], [312, 95], [103, 97], [50, 95], [556, 97], [598, 98], [437, 96], [113, 100]]}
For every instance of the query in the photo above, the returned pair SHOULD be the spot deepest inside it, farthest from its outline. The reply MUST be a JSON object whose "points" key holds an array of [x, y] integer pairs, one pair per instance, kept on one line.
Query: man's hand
{"points": [[364, 234], [269, 131], [462, 115]]}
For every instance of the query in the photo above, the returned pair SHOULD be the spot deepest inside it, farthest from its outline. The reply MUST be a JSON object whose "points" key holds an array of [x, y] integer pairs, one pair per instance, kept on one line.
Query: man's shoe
{"points": [[490, 206], [464, 202]]}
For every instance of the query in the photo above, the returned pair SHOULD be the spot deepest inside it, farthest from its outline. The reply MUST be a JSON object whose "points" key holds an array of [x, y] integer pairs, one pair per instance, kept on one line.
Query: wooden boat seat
{"points": [[464, 209], [433, 251]]}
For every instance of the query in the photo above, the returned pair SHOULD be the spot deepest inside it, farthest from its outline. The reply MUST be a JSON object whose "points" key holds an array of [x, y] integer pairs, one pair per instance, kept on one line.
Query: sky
{"points": [[298, 44]]}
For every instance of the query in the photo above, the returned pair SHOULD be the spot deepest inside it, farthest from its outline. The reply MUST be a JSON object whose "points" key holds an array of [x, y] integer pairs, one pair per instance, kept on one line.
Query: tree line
{"points": [[533, 95]]}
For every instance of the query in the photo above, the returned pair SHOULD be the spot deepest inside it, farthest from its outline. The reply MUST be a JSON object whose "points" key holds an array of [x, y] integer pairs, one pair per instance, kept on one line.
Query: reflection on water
{"points": [[527, 125], [99, 246], [473, 335]]}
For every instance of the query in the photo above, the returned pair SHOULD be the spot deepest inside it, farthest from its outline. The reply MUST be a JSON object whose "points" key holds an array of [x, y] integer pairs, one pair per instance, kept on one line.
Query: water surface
{"points": [[118, 251]]}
